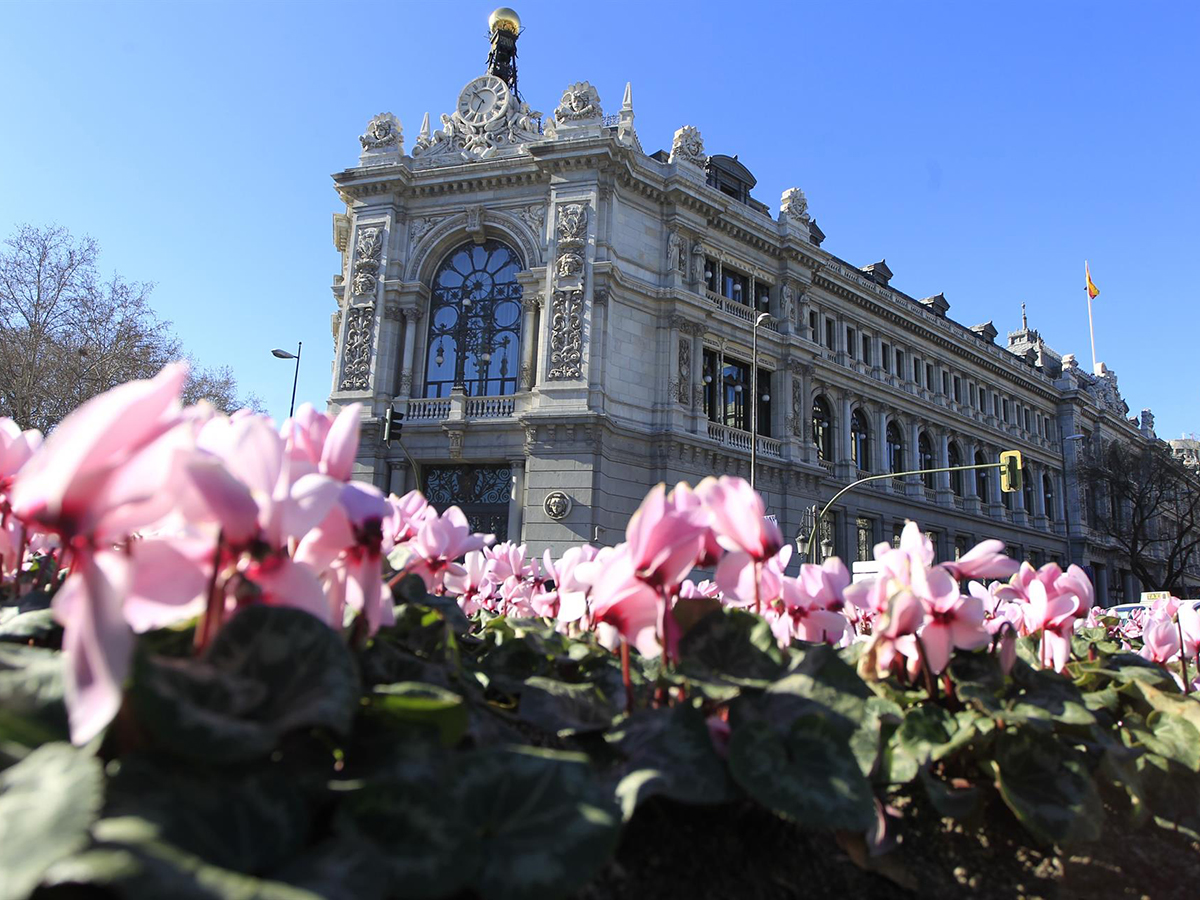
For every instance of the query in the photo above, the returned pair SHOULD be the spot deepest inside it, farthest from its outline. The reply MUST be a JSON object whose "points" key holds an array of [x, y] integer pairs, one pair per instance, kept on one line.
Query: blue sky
{"points": [[985, 149]]}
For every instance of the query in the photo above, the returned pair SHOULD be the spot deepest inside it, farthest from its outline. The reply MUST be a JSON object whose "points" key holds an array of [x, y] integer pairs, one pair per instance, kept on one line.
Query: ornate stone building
{"points": [[565, 320]]}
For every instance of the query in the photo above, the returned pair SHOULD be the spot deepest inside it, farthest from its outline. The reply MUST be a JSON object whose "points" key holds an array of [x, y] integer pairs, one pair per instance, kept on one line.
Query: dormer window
{"points": [[730, 177]]}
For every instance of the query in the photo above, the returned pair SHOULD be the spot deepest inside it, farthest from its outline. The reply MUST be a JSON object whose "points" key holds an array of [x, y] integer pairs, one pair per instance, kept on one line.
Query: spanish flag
{"points": [[1093, 291]]}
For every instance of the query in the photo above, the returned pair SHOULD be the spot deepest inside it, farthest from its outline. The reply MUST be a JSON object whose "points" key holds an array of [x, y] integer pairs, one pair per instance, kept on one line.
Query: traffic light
{"points": [[1010, 471], [393, 421]]}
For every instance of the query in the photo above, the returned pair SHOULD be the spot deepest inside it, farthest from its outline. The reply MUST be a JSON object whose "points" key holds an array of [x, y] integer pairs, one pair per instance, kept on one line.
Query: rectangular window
{"points": [[850, 342], [735, 390], [886, 353], [996, 405], [1027, 428], [764, 403], [712, 272], [812, 324], [712, 383], [866, 538], [762, 296], [831, 334], [900, 362], [917, 371], [945, 382], [735, 286], [866, 349], [929, 382], [1004, 407], [957, 389]]}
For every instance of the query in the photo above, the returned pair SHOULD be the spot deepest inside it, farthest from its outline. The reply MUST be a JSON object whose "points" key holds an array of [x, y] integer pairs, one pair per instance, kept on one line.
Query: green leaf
{"points": [[269, 671], [668, 752], [512, 824], [925, 731], [31, 697], [1046, 695], [807, 774], [565, 709], [20, 625], [133, 860], [543, 824], [1047, 786], [952, 802], [424, 704], [248, 821], [731, 647], [47, 803]]}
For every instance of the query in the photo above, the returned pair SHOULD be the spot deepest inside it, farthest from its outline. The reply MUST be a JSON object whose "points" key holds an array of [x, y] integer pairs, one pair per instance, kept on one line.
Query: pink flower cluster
{"points": [[160, 514]]}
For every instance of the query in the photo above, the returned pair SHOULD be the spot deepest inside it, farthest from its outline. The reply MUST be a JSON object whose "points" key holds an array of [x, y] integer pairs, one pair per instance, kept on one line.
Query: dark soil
{"points": [[740, 851]]}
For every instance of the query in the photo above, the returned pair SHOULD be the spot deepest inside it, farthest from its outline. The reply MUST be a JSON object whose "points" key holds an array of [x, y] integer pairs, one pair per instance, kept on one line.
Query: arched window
{"points": [[475, 322], [925, 458], [822, 426], [895, 448], [860, 449], [1048, 497], [981, 477], [954, 458]]}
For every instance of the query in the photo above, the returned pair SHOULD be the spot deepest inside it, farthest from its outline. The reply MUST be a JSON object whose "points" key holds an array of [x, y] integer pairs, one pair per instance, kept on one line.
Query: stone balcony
{"points": [[740, 440], [459, 407]]}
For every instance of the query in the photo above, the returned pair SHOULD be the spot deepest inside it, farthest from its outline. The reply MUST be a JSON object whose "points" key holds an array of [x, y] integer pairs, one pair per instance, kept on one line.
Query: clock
{"points": [[483, 100]]}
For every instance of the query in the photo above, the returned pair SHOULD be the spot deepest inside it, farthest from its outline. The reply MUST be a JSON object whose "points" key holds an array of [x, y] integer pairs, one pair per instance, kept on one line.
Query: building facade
{"points": [[565, 320]]}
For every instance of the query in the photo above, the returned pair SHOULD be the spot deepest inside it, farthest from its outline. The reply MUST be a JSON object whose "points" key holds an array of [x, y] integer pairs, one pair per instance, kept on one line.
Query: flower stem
{"points": [[1187, 688], [625, 676], [211, 619], [757, 599], [930, 684]]}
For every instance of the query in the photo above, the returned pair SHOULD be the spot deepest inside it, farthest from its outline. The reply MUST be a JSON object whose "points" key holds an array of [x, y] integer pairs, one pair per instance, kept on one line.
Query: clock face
{"points": [[483, 100]]}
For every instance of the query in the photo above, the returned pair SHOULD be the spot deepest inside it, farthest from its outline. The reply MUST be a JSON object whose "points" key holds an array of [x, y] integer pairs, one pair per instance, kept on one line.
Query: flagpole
{"points": [[1091, 327]]}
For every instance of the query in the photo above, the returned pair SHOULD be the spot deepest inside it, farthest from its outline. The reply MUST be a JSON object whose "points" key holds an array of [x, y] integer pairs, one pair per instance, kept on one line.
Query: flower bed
{"points": [[207, 688]]}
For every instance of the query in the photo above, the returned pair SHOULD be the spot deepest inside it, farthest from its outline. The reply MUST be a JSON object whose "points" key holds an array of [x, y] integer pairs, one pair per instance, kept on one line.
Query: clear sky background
{"points": [[985, 149]]}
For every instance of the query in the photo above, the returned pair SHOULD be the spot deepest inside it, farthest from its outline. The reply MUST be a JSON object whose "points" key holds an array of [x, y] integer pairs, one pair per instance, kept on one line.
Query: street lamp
{"points": [[284, 354], [762, 317]]}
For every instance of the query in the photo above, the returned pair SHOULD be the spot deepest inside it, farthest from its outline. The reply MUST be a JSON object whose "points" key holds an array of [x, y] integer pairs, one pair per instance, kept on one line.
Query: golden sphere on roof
{"points": [[505, 19]]}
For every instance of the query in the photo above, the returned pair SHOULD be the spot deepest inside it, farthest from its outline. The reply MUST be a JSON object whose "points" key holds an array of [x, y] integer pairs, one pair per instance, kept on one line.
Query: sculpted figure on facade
{"points": [[580, 102], [677, 252], [794, 205], [383, 132], [688, 147]]}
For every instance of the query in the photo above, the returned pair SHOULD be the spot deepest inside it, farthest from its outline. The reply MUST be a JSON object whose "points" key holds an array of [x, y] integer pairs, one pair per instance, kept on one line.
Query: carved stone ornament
{"points": [[419, 227], [383, 133], [688, 147], [580, 102], [685, 369], [356, 349], [367, 248], [572, 225], [535, 217], [488, 119], [475, 227], [566, 336], [797, 416], [557, 505], [569, 265], [794, 205], [456, 442]]}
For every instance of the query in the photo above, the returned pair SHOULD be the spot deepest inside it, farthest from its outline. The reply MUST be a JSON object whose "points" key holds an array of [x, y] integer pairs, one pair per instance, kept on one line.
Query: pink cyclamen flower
{"points": [[664, 540], [738, 517], [799, 614], [1189, 624], [986, 559], [439, 542], [1054, 616], [1160, 640], [622, 600]]}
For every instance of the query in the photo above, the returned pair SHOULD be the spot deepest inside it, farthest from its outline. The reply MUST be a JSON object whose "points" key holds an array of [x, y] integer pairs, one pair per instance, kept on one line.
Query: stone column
{"points": [[782, 409], [530, 306], [697, 385], [942, 480], [516, 501], [879, 446], [1039, 495], [398, 480], [997, 505], [389, 337], [971, 499], [412, 316], [916, 483], [844, 463], [675, 326]]}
